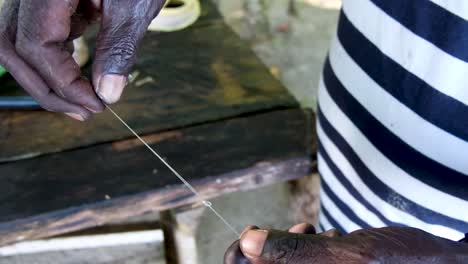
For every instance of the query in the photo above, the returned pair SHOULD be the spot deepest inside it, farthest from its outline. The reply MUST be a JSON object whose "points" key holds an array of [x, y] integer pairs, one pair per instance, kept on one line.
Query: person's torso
{"points": [[393, 117]]}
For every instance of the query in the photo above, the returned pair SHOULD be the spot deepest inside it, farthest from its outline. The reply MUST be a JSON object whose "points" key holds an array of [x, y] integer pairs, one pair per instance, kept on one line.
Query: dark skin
{"points": [[36, 48], [301, 245]]}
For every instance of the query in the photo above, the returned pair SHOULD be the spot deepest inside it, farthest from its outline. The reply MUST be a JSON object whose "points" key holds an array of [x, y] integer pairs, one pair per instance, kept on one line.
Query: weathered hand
{"points": [[384, 245], [35, 47]]}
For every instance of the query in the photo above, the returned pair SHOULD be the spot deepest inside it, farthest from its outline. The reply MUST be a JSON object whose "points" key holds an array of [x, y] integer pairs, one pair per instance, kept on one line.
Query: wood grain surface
{"points": [[88, 175], [201, 74]]}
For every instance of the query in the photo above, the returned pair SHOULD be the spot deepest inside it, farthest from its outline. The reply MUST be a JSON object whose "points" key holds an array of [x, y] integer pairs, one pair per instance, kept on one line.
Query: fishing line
{"points": [[206, 203]]}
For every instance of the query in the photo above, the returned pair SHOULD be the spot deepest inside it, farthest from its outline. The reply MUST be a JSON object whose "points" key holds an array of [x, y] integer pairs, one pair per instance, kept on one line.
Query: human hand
{"points": [[36, 48], [300, 245]]}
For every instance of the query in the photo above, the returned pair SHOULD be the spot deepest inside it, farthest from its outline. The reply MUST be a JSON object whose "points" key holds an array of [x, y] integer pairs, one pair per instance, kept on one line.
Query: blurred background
{"points": [[290, 36]]}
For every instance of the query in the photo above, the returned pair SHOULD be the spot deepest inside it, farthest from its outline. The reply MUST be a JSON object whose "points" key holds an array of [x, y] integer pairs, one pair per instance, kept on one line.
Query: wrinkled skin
{"points": [[36, 48], [383, 245]]}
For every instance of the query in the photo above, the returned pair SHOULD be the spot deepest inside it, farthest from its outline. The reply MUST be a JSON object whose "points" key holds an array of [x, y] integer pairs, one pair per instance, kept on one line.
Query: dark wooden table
{"points": [[200, 97]]}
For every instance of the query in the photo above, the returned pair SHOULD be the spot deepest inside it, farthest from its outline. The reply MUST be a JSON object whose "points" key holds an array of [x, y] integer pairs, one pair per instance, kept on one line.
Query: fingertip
{"points": [[303, 228], [234, 255], [94, 104], [253, 241], [82, 116], [76, 116], [96, 109], [249, 227], [81, 93], [51, 102], [110, 87], [331, 233]]}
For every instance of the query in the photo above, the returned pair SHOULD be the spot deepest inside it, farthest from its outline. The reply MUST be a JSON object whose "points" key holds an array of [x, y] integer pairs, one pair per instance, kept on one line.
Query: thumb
{"points": [[123, 26], [268, 247]]}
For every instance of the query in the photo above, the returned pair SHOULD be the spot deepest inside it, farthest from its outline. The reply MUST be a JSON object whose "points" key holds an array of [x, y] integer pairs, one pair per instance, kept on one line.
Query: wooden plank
{"points": [[128, 254], [202, 74], [86, 216], [109, 170], [115, 228], [144, 246], [92, 174]]}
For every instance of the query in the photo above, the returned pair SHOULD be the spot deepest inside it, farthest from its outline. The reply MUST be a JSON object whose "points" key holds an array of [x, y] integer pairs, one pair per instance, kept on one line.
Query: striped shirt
{"points": [[393, 117]]}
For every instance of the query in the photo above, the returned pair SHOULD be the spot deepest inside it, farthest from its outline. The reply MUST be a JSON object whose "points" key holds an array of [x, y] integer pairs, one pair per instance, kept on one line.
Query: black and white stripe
{"points": [[393, 118]]}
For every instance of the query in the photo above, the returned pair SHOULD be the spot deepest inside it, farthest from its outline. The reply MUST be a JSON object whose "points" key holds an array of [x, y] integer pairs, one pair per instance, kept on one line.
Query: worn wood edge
{"points": [[114, 228], [87, 242], [79, 218]]}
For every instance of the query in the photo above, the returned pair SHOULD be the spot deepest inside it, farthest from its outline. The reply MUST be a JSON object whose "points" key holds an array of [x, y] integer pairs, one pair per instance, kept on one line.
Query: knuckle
{"points": [[120, 55], [146, 10], [283, 248], [124, 49], [25, 48], [5, 61], [308, 250], [4, 40], [6, 50], [44, 100]]}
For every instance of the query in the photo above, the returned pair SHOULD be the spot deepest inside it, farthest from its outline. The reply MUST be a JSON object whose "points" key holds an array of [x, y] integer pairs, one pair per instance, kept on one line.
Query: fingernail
{"points": [[248, 228], [252, 242], [92, 110], [303, 228], [75, 116], [110, 87], [331, 233]]}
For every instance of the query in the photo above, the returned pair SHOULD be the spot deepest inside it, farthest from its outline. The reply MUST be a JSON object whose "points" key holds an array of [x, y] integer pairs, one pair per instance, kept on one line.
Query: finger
{"points": [[303, 228], [331, 233], [44, 29], [234, 255], [265, 247], [37, 88], [85, 14], [247, 228], [23, 73], [123, 25], [8, 18]]}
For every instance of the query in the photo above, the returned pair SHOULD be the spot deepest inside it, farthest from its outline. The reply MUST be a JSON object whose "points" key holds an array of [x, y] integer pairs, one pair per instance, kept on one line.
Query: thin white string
{"points": [[206, 203]]}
